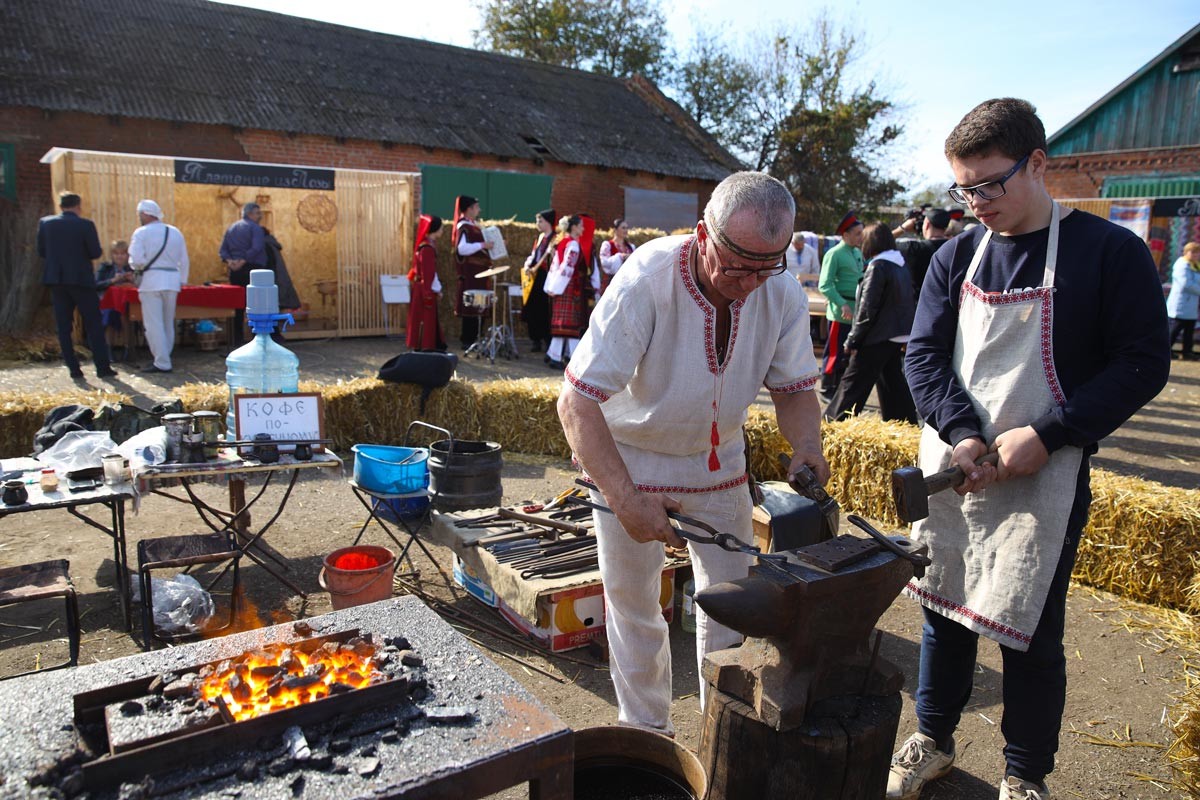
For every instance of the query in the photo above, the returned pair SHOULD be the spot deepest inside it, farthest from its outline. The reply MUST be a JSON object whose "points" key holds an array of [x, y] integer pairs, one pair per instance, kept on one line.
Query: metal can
{"points": [[209, 424], [177, 425]]}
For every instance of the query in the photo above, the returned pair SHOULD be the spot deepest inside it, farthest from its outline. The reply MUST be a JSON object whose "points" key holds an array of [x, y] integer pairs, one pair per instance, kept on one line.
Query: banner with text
{"points": [[226, 173]]}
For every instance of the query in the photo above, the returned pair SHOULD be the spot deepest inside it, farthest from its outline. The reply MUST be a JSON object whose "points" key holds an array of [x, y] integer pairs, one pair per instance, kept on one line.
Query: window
{"points": [[8, 171], [668, 211]]}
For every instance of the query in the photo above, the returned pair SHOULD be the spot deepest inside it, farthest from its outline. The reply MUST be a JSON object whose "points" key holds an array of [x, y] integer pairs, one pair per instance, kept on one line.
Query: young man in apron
{"points": [[1037, 334]]}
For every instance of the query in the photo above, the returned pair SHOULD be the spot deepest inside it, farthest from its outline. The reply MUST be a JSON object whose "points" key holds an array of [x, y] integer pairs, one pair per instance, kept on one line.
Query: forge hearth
{"points": [[407, 708]]}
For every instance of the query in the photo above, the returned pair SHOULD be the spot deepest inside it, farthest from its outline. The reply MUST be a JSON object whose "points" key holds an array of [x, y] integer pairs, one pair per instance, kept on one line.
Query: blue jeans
{"points": [[1035, 682]]}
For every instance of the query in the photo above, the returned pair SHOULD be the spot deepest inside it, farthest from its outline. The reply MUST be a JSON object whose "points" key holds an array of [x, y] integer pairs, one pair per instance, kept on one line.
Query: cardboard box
{"points": [[760, 520], [465, 577], [570, 618]]}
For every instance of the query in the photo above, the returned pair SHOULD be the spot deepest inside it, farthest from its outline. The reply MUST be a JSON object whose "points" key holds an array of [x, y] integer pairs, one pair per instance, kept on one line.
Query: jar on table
{"points": [[177, 425], [114, 468], [48, 481]]}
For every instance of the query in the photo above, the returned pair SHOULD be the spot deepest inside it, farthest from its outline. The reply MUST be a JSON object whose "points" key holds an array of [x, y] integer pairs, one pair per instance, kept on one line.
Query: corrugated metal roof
{"points": [[1151, 186], [203, 62], [1157, 106]]}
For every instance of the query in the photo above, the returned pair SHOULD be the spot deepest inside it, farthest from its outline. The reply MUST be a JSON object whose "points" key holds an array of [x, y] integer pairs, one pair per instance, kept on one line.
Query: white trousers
{"points": [[158, 318], [638, 643], [557, 346]]}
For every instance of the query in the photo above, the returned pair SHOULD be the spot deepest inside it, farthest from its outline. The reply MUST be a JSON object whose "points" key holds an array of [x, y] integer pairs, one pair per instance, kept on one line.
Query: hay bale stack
{"points": [[521, 415], [204, 397], [1140, 540], [24, 412], [33, 347], [368, 410], [1184, 753]]}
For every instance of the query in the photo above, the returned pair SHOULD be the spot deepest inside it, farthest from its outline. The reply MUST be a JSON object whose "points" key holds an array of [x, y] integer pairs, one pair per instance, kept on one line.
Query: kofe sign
{"points": [[228, 173], [297, 416]]}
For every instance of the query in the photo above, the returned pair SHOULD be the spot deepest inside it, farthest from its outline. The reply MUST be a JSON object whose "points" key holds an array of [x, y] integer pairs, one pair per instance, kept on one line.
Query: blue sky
{"points": [[1062, 55]]}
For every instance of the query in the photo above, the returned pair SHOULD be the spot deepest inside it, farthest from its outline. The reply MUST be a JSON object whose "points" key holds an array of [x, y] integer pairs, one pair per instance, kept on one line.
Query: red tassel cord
{"points": [[714, 463]]}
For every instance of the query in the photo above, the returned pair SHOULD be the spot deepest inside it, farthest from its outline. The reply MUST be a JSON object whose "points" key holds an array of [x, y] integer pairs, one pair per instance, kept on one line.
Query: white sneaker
{"points": [[917, 762], [1013, 788]]}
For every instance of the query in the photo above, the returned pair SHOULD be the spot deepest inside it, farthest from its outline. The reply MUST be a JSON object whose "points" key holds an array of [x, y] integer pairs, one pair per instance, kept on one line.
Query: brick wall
{"points": [[576, 188], [1083, 175]]}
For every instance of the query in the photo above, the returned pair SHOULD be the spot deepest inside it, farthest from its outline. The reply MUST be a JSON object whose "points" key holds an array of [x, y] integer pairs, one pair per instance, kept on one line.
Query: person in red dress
{"points": [[424, 330]]}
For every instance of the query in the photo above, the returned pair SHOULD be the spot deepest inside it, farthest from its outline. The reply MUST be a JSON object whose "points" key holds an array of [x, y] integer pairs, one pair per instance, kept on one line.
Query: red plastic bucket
{"points": [[357, 575]]}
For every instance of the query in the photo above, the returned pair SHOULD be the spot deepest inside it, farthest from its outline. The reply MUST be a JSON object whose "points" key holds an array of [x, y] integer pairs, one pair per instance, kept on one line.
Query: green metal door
{"points": [[501, 194]]}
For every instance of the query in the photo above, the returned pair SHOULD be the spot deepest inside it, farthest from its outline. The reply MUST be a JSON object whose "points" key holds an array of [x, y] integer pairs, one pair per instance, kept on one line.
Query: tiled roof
{"points": [[203, 62]]}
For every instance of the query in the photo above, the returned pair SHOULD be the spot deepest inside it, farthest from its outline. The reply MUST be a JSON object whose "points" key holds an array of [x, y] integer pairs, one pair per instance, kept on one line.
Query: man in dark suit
{"points": [[69, 243]]}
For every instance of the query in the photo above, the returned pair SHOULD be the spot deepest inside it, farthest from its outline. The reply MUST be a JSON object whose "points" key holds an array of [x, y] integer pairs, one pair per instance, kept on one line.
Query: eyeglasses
{"points": [[742, 272], [990, 190]]}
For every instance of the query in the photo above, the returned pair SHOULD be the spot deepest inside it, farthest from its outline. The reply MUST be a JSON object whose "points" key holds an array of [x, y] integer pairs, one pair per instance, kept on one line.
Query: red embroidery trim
{"points": [[710, 316], [585, 389], [990, 624], [652, 489], [799, 386]]}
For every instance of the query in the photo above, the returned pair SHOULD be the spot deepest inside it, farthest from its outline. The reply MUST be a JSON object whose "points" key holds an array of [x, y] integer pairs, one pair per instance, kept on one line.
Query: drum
{"points": [[478, 298]]}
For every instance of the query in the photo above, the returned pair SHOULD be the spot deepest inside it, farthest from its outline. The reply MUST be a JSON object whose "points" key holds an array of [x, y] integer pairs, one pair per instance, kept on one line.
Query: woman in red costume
{"points": [[424, 330]]}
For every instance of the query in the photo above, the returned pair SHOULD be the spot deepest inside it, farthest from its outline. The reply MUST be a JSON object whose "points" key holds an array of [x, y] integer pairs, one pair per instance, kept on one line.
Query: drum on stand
{"points": [[498, 340], [481, 299]]}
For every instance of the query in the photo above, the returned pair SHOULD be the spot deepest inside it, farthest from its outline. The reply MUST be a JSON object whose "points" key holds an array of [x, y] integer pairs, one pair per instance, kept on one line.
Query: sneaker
{"points": [[917, 762], [1013, 788]]}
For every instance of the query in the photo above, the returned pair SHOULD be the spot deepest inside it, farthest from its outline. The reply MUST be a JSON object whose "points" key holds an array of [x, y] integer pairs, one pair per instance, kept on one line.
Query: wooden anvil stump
{"points": [[805, 708]]}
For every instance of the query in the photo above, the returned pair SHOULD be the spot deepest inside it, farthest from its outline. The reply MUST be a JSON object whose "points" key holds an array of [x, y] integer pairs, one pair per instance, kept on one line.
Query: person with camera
{"points": [[918, 252]]}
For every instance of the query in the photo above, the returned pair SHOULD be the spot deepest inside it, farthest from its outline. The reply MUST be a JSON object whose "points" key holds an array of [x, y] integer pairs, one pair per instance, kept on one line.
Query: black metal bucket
{"points": [[623, 763], [467, 476]]}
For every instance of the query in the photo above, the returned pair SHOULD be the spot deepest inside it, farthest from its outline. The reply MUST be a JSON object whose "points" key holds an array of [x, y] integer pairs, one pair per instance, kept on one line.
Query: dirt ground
{"points": [[1123, 670]]}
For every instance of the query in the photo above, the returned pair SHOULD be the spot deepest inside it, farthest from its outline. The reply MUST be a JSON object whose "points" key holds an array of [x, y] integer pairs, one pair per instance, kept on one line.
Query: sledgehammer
{"points": [[911, 489]]}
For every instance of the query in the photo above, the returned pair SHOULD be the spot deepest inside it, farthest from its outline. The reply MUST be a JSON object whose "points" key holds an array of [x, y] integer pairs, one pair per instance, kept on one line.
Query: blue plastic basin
{"points": [[377, 468]]}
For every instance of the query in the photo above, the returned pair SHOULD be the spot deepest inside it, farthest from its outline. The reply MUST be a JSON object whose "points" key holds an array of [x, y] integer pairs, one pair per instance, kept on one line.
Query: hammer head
{"points": [[910, 493]]}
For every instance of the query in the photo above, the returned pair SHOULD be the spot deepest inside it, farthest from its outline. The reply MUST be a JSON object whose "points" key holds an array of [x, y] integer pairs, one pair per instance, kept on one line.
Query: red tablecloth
{"points": [[218, 295]]}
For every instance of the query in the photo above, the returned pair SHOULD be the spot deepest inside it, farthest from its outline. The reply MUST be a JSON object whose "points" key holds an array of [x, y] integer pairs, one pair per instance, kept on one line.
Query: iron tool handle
{"points": [[954, 476]]}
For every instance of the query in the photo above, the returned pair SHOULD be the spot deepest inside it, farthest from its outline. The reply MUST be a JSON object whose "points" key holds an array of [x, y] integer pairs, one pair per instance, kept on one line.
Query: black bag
{"points": [[125, 420], [60, 421], [427, 370]]}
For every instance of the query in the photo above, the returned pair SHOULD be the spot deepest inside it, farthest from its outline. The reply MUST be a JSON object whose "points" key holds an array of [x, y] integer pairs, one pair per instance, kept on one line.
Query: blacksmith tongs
{"points": [[725, 541]]}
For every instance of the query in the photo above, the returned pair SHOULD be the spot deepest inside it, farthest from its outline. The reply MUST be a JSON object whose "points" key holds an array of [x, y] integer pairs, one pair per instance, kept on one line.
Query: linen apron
{"points": [[995, 552]]}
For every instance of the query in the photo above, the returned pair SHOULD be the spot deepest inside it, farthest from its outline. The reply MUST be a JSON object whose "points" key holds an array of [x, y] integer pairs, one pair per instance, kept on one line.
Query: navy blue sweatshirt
{"points": [[1109, 337]]}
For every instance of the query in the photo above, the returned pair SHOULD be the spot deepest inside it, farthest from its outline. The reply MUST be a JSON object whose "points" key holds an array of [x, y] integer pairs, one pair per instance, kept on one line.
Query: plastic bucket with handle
{"points": [[357, 575]]}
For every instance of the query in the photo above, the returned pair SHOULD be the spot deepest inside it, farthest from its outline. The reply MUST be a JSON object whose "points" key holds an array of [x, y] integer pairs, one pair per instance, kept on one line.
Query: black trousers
{"points": [[1186, 328], [66, 300], [878, 366], [470, 330], [833, 362]]}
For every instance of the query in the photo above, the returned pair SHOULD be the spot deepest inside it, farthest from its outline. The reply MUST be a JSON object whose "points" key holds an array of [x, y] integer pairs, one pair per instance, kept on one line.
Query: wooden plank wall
{"points": [[375, 230], [111, 187]]}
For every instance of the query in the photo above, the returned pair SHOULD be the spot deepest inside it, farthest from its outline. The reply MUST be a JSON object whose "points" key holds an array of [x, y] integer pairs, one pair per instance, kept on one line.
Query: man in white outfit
{"points": [[157, 251], [653, 404]]}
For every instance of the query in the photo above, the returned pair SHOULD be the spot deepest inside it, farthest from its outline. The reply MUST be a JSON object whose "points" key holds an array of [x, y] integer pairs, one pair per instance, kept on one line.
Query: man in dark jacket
{"points": [[919, 252], [68, 243], [243, 249]]}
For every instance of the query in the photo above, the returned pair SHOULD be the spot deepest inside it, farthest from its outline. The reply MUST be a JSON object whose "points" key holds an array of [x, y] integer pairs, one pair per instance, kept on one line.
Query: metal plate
{"points": [[835, 554]]}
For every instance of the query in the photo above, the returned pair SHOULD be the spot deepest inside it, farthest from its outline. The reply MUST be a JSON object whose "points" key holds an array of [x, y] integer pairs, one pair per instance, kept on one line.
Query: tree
{"points": [[611, 37], [801, 120]]}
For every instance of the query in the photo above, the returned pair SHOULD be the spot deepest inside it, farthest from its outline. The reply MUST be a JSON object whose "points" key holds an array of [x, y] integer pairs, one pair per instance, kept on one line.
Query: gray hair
{"points": [[250, 207], [797, 238], [758, 193]]}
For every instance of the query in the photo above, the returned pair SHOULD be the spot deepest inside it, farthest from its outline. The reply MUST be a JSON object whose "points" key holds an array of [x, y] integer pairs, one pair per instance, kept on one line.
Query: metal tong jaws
{"points": [[725, 541]]}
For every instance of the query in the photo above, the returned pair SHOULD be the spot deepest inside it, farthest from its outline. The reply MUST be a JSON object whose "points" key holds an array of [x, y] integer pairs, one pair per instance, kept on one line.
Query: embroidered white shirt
{"points": [[650, 360]]}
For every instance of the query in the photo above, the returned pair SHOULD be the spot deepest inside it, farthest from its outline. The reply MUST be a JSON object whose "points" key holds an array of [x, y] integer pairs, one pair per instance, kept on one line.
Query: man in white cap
{"points": [[158, 253]]}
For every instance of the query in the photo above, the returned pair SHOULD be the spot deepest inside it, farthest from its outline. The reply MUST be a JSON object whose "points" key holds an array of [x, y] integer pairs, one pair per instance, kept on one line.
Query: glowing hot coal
{"points": [[278, 677]]}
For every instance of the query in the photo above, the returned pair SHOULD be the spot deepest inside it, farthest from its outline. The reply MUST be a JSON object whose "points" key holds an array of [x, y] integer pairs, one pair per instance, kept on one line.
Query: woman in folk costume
{"points": [[424, 330], [535, 305], [565, 285], [614, 252], [470, 257]]}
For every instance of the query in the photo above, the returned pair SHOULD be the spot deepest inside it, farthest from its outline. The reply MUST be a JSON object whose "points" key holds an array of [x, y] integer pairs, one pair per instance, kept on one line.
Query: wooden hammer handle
{"points": [[566, 527], [954, 475]]}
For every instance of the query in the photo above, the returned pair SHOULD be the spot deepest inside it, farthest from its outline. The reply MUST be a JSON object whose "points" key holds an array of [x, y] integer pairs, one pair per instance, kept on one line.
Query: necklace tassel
{"points": [[714, 463]]}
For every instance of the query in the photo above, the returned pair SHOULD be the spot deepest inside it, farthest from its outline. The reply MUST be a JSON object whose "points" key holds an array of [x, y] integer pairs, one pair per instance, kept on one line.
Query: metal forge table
{"points": [[510, 738], [111, 497], [236, 470]]}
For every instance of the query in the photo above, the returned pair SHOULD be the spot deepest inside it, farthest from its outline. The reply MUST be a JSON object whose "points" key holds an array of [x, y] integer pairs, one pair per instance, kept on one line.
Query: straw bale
{"points": [[1183, 755], [22, 414], [1140, 541], [368, 410], [32, 347], [204, 397], [522, 416]]}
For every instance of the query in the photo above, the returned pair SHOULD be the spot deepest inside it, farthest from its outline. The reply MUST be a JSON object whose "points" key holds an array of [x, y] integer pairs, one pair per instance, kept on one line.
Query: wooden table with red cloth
{"points": [[211, 301]]}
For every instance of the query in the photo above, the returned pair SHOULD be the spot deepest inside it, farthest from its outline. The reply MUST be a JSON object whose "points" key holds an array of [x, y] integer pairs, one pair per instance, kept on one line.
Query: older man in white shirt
{"points": [[159, 253], [802, 263]]}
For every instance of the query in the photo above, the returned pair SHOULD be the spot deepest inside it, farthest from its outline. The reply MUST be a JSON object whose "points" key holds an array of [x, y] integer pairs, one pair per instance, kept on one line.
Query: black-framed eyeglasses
{"points": [[742, 272], [989, 190]]}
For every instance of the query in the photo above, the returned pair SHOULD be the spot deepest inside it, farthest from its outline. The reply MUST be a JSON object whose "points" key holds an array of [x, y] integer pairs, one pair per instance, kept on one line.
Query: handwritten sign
{"points": [[233, 173], [280, 416]]}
